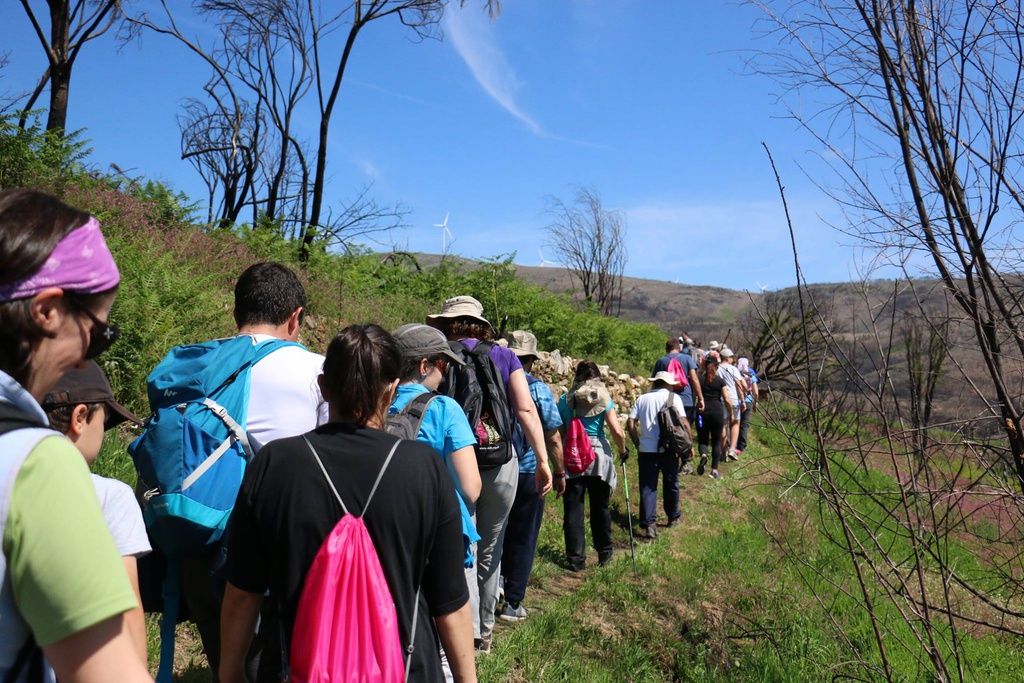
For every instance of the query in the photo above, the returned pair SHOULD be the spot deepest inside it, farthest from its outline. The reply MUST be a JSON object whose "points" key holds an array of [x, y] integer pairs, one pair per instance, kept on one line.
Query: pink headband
{"points": [[81, 262]]}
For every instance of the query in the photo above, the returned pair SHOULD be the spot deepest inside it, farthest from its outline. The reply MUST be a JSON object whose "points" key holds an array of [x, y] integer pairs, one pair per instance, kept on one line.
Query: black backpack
{"points": [[478, 387], [674, 435], [406, 423]]}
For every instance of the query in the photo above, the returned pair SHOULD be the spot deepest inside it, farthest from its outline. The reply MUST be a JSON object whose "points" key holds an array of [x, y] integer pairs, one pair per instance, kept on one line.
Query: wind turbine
{"points": [[543, 261], [762, 287], [445, 234]]}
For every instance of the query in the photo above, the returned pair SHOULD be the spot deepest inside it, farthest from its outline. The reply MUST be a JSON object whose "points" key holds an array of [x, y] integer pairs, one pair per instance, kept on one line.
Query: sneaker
{"points": [[510, 613], [714, 474], [730, 455], [687, 468], [736, 454], [673, 522], [482, 645], [604, 561], [703, 462], [652, 531]]}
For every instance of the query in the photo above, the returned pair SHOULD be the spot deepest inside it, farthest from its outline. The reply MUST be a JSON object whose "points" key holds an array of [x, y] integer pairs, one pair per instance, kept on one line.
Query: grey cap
{"points": [[523, 343], [417, 340]]}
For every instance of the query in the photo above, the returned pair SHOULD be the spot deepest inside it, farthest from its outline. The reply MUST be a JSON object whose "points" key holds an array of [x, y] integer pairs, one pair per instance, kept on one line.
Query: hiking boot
{"points": [[482, 645], [604, 561], [714, 474], [703, 462], [673, 522], [510, 613], [652, 531]]}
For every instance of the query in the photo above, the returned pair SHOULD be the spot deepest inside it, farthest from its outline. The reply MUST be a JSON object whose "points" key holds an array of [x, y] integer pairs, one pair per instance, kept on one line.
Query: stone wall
{"points": [[558, 370]]}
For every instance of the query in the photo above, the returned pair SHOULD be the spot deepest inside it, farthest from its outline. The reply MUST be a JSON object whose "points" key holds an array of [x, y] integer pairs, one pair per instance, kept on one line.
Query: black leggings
{"points": [[713, 424]]}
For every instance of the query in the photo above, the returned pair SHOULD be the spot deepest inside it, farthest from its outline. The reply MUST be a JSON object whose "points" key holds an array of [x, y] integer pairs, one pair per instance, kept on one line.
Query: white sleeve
{"points": [[123, 516]]}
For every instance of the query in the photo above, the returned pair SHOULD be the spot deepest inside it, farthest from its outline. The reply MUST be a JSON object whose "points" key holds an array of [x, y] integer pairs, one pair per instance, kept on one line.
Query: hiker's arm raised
{"points": [[611, 418], [135, 619], [526, 413], [631, 428], [464, 462], [698, 393], [553, 437], [456, 633], [101, 653], [238, 616]]}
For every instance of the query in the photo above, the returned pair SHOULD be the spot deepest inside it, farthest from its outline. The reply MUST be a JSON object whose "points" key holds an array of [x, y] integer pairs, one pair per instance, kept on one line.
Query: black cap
{"points": [[88, 384]]}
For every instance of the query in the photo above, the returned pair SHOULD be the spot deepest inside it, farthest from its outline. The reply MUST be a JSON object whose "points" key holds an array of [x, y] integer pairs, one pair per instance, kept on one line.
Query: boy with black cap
{"points": [[82, 407]]}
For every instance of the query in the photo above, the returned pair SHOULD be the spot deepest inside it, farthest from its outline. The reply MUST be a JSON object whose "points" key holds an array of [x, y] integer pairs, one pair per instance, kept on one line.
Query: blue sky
{"points": [[645, 101]]}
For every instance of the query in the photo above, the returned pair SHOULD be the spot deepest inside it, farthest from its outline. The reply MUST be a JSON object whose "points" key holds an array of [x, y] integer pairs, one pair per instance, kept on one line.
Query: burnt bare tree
{"points": [[920, 124], [590, 241], [63, 29], [931, 94], [268, 57]]}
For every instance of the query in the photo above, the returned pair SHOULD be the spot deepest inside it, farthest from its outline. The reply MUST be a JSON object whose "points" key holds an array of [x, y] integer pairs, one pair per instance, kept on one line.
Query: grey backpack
{"points": [[405, 424]]}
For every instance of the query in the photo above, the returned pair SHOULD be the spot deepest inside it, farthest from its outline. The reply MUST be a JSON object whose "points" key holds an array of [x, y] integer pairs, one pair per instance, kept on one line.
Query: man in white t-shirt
{"points": [[736, 387], [284, 400], [642, 427]]}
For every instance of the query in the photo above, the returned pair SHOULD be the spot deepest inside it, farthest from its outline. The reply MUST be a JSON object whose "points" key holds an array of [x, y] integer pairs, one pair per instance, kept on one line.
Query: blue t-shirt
{"points": [[446, 428], [686, 360], [549, 419], [594, 425]]}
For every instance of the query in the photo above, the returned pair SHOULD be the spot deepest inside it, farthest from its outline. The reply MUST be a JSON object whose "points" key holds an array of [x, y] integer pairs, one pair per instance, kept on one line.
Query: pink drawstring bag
{"points": [[346, 627], [578, 452]]}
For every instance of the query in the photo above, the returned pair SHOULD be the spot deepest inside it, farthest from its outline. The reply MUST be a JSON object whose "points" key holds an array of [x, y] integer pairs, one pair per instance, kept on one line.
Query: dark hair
{"points": [[672, 345], [411, 366], [463, 327], [361, 362], [59, 417], [267, 294], [31, 225], [586, 370]]}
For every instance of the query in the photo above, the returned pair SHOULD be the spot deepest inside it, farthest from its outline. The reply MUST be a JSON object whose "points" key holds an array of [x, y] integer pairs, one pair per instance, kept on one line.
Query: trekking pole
{"points": [[629, 519]]}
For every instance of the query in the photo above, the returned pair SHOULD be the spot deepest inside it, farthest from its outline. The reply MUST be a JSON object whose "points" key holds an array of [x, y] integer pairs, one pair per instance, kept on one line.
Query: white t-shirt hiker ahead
{"points": [[645, 412], [284, 398]]}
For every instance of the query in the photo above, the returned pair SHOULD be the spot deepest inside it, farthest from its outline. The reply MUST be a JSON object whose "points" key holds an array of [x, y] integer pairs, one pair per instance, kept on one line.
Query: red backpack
{"points": [[676, 368], [346, 627]]}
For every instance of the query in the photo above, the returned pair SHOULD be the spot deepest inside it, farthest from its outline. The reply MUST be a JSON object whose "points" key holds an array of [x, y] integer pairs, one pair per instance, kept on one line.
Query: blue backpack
{"points": [[192, 454]]}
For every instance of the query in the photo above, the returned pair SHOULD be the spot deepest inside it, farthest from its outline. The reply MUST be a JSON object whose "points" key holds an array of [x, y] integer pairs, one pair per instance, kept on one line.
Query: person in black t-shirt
{"points": [[713, 419], [285, 509]]}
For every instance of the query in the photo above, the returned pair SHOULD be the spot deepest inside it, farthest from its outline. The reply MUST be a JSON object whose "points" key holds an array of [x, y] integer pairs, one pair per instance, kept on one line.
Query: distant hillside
{"points": [[705, 313]]}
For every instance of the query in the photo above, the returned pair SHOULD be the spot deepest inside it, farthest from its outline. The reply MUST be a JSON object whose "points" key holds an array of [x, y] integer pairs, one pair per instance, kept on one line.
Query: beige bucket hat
{"points": [[523, 343], [460, 307], [664, 376]]}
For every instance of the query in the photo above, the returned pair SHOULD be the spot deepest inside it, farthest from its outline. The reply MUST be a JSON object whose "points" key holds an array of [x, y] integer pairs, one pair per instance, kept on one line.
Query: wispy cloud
{"points": [[369, 169], [473, 38]]}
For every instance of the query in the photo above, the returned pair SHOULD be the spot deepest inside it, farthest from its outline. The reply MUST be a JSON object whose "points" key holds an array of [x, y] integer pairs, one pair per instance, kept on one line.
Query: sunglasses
{"points": [[102, 335]]}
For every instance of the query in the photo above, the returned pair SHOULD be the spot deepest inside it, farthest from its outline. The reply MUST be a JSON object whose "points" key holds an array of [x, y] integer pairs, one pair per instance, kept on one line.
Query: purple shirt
{"points": [[507, 361]]}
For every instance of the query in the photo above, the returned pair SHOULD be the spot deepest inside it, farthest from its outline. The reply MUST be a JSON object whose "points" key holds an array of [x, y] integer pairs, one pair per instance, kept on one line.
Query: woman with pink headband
{"points": [[63, 589]]}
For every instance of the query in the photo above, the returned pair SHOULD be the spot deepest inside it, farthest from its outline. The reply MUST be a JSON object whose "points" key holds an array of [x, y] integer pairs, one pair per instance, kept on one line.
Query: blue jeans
{"points": [[521, 532], [650, 465]]}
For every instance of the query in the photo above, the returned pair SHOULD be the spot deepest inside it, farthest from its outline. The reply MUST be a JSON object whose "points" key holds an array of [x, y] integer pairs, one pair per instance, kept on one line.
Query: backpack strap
{"points": [[380, 475], [29, 660], [12, 418], [417, 409]]}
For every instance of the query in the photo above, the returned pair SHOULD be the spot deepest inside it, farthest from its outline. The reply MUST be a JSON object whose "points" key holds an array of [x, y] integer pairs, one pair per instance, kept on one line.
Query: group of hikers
{"points": [[372, 510]]}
